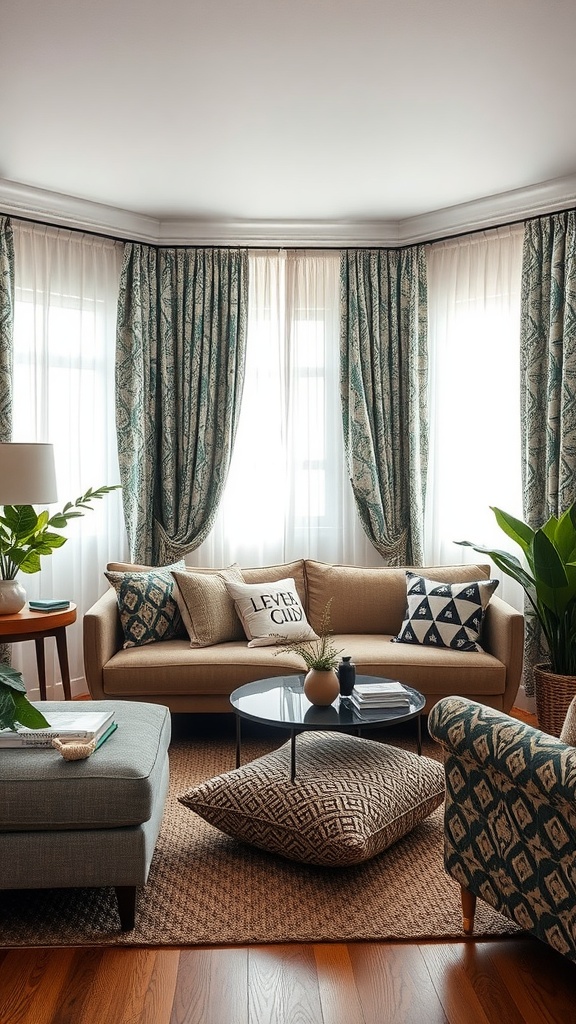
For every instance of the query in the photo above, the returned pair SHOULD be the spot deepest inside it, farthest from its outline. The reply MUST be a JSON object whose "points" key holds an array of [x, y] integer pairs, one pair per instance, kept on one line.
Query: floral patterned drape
{"points": [[384, 381], [181, 344], [548, 382]]}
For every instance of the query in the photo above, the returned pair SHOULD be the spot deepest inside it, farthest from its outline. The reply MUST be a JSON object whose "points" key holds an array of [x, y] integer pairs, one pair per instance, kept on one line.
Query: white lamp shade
{"points": [[27, 474]]}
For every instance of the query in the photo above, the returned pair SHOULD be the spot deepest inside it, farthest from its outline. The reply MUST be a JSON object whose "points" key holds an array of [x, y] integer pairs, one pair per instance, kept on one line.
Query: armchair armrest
{"points": [[510, 818], [503, 636], [102, 637]]}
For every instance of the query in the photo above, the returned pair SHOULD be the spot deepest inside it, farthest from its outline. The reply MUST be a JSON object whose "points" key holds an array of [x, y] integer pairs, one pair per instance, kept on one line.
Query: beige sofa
{"points": [[367, 610]]}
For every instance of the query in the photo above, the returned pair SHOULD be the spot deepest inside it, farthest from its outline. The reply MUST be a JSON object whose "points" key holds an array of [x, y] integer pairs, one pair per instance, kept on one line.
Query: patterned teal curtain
{"points": [[548, 382], [6, 349], [181, 348], [384, 381]]}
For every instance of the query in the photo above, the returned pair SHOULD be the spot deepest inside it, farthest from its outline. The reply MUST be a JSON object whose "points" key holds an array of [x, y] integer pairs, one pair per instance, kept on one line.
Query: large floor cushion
{"points": [[351, 799]]}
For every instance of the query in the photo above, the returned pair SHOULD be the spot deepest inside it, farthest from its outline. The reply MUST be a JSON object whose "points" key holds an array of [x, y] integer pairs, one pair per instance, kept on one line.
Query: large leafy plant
{"points": [[15, 708], [26, 535], [548, 577]]}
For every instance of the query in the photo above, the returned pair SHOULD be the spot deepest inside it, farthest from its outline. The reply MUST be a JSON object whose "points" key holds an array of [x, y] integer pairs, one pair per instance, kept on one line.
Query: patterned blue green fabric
{"points": [[548, 384], [510, 817], [181, 345], [6, 349], [146, 604], [384, 386]]}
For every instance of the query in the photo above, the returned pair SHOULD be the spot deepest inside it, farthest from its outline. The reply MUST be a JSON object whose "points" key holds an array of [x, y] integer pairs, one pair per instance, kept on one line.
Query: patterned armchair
{"points": [[510, 818]]}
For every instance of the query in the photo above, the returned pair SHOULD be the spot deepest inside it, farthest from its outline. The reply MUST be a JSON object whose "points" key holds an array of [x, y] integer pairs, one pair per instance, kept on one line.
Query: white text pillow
{"points": [[271, 613]]}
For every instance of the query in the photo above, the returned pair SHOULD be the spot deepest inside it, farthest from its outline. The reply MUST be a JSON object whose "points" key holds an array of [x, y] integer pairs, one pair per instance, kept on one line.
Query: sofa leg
{"points": [[468, 910], [126, 896]]}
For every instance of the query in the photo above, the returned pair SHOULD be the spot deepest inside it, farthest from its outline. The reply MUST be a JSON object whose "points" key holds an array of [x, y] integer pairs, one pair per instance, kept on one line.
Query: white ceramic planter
{"points": [[12, 597]]}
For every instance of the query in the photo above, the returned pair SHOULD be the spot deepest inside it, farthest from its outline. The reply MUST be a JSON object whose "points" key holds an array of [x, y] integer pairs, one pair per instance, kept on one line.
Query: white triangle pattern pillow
{"points": [[445, 614]]}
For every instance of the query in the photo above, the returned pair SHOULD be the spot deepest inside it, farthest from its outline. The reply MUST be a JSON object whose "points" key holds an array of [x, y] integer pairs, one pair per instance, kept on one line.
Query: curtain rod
{"points": [[296, 248]]}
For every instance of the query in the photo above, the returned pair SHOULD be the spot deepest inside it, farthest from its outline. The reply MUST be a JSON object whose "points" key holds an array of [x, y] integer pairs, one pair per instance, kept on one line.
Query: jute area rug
{"points": [[207, 889]]}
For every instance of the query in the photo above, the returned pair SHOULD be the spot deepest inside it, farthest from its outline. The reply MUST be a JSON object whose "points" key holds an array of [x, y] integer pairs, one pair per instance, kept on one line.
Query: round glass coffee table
{"points": [[281, 702]]}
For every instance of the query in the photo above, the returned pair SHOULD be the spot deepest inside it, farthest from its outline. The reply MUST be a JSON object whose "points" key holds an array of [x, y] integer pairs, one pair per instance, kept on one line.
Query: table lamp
{"points": [[27, 477]]}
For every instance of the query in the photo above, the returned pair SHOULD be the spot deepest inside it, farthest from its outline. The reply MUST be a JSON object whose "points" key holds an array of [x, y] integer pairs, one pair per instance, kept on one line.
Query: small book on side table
{"points": [[54, 605]]}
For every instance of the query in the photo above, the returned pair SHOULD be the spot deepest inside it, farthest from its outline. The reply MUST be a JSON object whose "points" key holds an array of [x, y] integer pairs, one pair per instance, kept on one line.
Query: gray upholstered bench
{"points": [[87, 823]]}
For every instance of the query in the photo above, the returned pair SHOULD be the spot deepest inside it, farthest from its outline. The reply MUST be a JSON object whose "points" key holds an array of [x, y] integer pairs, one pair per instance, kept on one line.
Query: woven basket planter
{"points": [[554, 694]]}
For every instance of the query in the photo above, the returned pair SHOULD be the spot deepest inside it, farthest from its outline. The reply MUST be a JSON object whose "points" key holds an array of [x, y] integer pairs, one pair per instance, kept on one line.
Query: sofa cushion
{"points": [[370, 600], [445, 614], [271, 612], [351, 799], [206, 607], [146, 605]]}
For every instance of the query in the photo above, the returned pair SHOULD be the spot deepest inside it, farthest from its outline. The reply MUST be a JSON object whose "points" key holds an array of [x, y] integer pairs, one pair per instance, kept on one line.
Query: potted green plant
{"points": [[320, 657], [548, 578], [25, 536]]}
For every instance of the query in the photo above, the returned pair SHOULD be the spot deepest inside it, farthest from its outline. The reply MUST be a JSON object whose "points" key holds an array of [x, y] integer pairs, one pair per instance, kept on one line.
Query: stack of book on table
{"points": [[376, 696], [64, 725]]}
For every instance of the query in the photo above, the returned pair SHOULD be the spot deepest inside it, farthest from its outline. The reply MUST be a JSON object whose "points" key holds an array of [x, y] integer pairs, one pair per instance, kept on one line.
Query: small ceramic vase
{"points": [[321, 686], [347, 676], [12, 597]]}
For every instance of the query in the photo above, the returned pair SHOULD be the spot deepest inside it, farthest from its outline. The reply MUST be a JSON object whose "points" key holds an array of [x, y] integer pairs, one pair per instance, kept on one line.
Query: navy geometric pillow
{"points": [[148, 611], [444, 614]]}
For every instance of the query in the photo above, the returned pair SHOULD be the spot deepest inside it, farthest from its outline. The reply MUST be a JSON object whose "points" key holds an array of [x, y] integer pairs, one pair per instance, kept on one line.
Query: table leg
{"points": [[238, 740], [62, 648], [292, 755], [419, 733], [41, 664]]}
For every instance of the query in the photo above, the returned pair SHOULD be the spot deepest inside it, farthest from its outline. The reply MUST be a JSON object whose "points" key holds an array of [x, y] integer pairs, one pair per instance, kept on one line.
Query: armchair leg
{"points": [[468, 910]]}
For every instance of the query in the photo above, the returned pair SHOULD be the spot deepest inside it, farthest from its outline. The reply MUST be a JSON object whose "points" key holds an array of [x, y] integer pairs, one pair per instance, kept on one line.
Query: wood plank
{"points": [[540, 981], [394, 984], [468, 985], [128, 986], [339, 996], [283, 985], [211, 987], [31, 985]]}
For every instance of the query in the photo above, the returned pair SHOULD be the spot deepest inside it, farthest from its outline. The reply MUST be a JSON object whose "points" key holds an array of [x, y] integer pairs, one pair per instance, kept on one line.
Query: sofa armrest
{"points": [[486, 741], [503, 636], [102, 636]]}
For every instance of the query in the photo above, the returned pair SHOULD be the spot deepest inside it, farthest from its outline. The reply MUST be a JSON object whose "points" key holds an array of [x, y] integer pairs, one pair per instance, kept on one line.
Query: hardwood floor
{"points": [[511, 981], [497, 982]]}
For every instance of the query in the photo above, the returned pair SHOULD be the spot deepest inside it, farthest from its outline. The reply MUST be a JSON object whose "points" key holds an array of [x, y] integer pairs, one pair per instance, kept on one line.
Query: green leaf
{"points": [[514, 528], [27, 715], [31, 563], [11, 678], [548, 566], [7, 709], [21, 520]]}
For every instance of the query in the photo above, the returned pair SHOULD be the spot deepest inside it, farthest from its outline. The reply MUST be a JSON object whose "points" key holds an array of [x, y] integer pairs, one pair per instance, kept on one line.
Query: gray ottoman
{"points": [[87, 823]]}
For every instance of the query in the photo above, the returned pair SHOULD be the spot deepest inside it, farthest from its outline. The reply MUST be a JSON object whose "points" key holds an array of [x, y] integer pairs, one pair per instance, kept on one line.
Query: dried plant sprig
{"points": [[319, 653]]}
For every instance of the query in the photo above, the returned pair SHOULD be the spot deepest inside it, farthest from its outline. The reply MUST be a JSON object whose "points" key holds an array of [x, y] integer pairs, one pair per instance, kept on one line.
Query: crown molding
{"points": [[55, 208]]}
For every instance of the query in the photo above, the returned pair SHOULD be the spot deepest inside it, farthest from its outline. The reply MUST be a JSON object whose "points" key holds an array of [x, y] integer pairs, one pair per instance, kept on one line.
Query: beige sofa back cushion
{"points": [[371, 600]]}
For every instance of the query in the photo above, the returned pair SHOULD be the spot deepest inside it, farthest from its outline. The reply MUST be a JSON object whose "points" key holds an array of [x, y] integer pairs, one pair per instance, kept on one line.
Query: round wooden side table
{"points": [[29, 625]]}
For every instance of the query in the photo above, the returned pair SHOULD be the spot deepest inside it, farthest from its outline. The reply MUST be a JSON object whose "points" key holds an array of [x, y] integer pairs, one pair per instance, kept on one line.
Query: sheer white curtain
{"points": [[474, 337], [288, 494], [64, 342]]}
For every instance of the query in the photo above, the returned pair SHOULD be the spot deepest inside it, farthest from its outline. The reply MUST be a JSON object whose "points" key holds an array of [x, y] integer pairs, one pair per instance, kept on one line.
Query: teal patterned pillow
{"points": [[148, 611]]}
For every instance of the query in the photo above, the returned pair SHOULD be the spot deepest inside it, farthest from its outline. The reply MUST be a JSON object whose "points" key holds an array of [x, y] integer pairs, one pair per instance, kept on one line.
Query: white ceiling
{"points": [[287, 111]]}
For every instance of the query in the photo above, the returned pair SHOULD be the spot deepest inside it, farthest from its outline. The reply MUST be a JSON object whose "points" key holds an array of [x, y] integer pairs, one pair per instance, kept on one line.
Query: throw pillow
{"points": [[271, 613], [444, 614], [148, 611], [351, 799], [206, 607]]}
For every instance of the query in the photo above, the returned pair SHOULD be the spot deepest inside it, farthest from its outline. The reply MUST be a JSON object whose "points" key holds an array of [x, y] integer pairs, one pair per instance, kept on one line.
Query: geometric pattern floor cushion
{"points": [[444, 614], [350, 800]]}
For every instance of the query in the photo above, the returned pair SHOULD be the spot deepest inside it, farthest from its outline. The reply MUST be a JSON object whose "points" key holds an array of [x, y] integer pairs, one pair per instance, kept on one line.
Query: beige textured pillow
{"points": [[271, 613], [206, 608], [351, 799], [568, 734]]}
